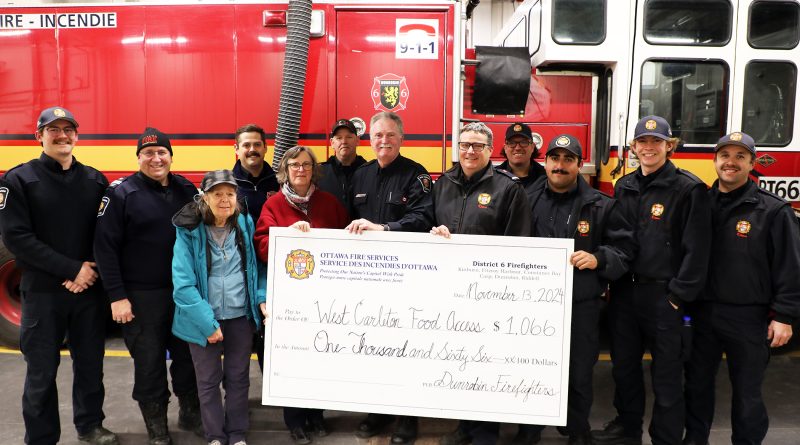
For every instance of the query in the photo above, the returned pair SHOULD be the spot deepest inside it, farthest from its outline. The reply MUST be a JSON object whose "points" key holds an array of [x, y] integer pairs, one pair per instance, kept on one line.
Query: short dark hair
{"points": [[250, 128]]}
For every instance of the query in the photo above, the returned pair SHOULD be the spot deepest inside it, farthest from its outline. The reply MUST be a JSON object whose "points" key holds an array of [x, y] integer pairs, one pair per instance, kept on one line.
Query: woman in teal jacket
{"points": [[219, 292]]}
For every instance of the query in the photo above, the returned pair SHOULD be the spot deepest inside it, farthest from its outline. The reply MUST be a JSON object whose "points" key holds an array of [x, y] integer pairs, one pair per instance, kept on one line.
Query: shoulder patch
{"points": [[507, 173], [425, 181], [117, 182], [3, 197], [103, 206]]}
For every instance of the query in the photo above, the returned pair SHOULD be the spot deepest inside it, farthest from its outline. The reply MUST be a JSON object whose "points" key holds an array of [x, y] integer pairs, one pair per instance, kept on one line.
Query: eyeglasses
{"points": [[153, 153], [297, 166], [55, 131], [522, 144], [477, 147]]}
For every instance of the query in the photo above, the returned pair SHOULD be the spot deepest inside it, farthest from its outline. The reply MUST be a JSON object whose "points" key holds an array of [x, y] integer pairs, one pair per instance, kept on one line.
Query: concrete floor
{"points": [[781, 390]]}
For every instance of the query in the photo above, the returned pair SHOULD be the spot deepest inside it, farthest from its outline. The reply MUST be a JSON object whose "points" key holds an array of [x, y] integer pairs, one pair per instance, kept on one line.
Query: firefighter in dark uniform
{"points": [[751, 299], [520, 151], [337, 171], [390, 193], [256, 181], [47, 220], [474, 198], [669, 211], [132, 245], [564, 205]]}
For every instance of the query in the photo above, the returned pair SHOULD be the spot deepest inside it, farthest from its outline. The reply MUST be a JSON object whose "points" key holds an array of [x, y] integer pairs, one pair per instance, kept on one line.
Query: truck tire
{"points": [[10, 303]]}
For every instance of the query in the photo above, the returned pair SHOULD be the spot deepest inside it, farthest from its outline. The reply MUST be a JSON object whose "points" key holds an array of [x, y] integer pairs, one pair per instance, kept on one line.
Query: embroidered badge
{"points": [[484, 199], [59, 112], [742, 228], [650, 125], [563, 141], [3, 197], [425, 181], [656, 211], [103, 206], [583, 228], [736, 136]]}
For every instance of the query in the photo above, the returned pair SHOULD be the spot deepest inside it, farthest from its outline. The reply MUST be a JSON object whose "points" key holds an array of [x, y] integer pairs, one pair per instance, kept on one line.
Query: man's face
{"points": [[733, 164], [473, 160], [385, 138], [651, 151], [562, 168], [155, 162], [250, 150], [519, 150], [344, 143], [58, 138]]}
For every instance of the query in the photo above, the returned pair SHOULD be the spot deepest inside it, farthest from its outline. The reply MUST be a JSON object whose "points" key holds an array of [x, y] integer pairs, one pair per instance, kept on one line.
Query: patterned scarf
{"points": [[295, 200]]}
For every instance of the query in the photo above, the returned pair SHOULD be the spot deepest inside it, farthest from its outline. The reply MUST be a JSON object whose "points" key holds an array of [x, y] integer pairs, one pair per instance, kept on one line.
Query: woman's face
{"points": [[221, 199], [300, 169]]}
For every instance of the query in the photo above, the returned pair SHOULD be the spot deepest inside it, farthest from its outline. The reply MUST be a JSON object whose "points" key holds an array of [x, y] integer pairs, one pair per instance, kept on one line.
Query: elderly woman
{"points": [[219, 295], [301, 205]]}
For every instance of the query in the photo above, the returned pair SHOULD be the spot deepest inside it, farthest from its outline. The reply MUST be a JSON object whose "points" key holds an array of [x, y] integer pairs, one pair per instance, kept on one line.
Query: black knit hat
{"points": [[153, 138]]}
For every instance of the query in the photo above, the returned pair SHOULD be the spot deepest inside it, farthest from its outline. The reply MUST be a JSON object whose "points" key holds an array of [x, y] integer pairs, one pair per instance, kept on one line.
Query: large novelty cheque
{"points": [[472, 327]]}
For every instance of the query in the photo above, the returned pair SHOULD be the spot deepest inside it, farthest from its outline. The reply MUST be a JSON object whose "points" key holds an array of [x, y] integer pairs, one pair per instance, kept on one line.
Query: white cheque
{"points": [[472, 327]]}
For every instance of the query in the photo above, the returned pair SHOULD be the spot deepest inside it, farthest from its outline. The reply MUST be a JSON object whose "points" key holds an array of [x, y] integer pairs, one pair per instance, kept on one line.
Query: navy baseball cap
{"points": [[344, 123], [567, 142], [743, 140], [519, 130], [217, 177], [153, 137], [655, 126], [53, 114]]}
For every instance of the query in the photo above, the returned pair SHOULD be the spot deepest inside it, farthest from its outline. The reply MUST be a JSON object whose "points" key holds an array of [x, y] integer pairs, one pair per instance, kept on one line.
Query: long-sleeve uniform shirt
{"points": [[398, 195], [592, 219], [135, 232], [47, 220], [755, 255], [336, 178]]}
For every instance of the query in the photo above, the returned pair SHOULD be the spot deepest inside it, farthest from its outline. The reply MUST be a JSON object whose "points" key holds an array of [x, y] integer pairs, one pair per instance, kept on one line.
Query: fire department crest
{"points": [[736, 136], [743, 228], [563, 141], [59, 112], [484, 199], [650, 125], [583, 227], [103, 206], [517, 127], [3, 197], [657, 210], [390, 92], [299, 264]]}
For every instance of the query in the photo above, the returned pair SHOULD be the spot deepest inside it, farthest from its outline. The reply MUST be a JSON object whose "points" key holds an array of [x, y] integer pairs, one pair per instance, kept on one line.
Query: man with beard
{"points": [[337, 171], [520, 152]]}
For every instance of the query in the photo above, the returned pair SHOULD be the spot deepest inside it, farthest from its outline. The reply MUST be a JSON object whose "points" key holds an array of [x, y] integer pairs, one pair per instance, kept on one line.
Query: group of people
{"points": [[183, 273]]}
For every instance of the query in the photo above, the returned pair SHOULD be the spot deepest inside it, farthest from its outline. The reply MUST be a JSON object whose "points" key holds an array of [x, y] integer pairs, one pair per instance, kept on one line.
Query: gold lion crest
{"points": [[743, 228], [657, 210], [583, 227], [484, 199], [299, 264]]}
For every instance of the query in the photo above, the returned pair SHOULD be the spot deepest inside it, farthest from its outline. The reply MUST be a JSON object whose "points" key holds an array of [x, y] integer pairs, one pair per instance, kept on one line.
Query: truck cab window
{"points": [[695, 23], [579, 22], [768, 109], [774, 25], [692, 96]]}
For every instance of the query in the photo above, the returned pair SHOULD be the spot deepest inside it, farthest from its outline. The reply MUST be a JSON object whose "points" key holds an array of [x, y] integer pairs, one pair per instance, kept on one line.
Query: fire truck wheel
{"points": [[10, 307]]}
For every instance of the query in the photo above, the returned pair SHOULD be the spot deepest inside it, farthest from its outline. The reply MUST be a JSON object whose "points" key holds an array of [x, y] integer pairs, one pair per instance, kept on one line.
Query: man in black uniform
{"points": [[47, 220], [565, 206], [669, 210], [256, 182], [390, 193], [753, 295], [337, 171], [132, 246], [474, 198], [520, 152]]}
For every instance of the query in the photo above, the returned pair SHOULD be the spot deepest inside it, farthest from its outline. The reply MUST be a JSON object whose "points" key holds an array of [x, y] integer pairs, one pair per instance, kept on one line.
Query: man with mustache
{"points": [[564, 205], [131, 244], [47, 218], [390, 192], [337, 172], [751, 299], [520, 152]]}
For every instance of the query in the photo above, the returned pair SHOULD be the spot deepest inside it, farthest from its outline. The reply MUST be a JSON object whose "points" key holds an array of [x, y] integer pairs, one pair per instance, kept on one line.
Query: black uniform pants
{"points": [[482, 433], [584, 348], [148, 338], [740, 332], [640, 317], [299, 417], [46, 319]]}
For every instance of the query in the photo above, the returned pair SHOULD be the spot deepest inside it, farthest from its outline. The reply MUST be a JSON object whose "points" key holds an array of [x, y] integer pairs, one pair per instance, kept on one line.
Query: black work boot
{"points": [[406, 430], [189, 414], [99, 436], [155, 419], [614, 433]]}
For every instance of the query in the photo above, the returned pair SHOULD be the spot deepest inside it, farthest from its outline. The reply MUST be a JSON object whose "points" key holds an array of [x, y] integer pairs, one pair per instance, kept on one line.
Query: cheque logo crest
{"points": [[299, 264]]}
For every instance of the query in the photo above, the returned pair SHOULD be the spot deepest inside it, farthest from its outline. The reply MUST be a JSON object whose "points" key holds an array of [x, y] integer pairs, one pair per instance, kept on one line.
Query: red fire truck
{"points": [[198, 70]]}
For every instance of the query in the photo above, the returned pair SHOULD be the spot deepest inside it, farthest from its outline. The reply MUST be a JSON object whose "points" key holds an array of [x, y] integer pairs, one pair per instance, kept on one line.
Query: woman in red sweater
{"points": [[299, 204]]}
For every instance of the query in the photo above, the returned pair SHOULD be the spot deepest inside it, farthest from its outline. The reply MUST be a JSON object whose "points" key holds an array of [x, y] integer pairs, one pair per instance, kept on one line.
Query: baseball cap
{"points": [[519, 130], [655, 126], [217, 177], [567, 142], [52, 114], [737, 138], [343, 123], [153, 137]]}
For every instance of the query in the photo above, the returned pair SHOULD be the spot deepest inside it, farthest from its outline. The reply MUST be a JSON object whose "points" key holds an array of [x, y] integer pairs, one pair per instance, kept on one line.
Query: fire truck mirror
{"points": [[502, 80]]}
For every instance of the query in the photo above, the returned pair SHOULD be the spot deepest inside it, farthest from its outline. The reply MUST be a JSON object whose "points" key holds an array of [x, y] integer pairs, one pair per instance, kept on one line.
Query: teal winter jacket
{"points": [[194, 319]]}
